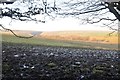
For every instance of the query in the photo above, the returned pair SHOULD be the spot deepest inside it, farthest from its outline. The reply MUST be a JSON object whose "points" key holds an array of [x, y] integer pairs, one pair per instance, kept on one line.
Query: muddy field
{"points": [[22, 61]]}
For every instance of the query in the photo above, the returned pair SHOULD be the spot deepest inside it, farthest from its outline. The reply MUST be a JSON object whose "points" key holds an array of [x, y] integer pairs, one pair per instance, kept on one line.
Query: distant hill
{"points": [[22, 32], [86, 36]]}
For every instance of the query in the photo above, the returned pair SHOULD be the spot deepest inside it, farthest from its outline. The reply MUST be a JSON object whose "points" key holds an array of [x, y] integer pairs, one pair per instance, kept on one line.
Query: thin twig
{"points": [[15, 33]]}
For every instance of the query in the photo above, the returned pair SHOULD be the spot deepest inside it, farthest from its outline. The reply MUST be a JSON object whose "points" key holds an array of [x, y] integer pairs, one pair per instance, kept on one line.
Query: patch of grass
{"points": [[63, 43]]}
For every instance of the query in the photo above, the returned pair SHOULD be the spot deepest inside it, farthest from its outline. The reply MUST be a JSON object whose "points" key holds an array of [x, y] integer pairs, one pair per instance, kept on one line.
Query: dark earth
{"points": [[34, 62]]}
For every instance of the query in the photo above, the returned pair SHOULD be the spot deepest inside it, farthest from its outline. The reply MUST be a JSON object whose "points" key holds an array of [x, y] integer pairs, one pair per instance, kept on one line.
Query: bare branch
{"points": [[110, 27], [14, 14], [112, 9], [101, 19], [78, 13], [15, 33], [111, 33]]}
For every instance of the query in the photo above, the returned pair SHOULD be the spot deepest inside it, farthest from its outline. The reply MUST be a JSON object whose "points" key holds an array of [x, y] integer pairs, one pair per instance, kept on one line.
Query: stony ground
{"points": [[32, 62]]}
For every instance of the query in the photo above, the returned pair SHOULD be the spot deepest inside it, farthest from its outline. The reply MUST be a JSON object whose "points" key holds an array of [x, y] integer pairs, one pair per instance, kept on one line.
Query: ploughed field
{"points": [[23, 61]]}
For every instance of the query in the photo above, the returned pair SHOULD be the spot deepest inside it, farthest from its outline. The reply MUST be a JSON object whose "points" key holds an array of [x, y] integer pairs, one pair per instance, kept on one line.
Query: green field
{"points": [[62, 43]]}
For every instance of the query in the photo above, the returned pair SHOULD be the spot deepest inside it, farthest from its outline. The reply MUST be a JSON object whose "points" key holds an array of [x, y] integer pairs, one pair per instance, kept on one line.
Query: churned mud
{"points": [[22, 61]]}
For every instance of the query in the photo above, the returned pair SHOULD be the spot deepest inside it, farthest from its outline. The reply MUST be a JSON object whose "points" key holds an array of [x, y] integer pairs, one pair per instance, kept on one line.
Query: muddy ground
{"points": [[22, 61]]}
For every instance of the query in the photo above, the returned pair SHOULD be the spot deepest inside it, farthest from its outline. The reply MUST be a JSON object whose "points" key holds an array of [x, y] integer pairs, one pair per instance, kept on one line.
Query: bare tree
{"points": [[32, 8], [94, 11], [79, 7]]}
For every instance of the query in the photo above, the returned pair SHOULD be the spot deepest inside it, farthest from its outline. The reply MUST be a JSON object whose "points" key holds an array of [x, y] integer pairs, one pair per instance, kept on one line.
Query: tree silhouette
{"points": [[94, 11], [79, 7]]}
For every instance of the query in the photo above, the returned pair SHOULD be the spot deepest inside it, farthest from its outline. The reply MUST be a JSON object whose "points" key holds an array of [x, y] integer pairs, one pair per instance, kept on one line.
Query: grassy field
{"points": [[68, 39], [86, 36]]}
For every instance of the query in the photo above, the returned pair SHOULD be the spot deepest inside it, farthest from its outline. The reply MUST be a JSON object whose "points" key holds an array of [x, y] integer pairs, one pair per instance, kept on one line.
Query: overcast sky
{"points": [[55, 25], [58, 24]]}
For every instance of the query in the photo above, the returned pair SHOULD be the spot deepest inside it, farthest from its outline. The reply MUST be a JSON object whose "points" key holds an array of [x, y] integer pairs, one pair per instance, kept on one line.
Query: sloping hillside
{"points": [[87, 36]]}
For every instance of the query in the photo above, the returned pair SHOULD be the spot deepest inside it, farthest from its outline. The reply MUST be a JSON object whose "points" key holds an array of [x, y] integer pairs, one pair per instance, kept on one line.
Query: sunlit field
{"points": [[85, 36], [61, 56], [80, 39]]}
